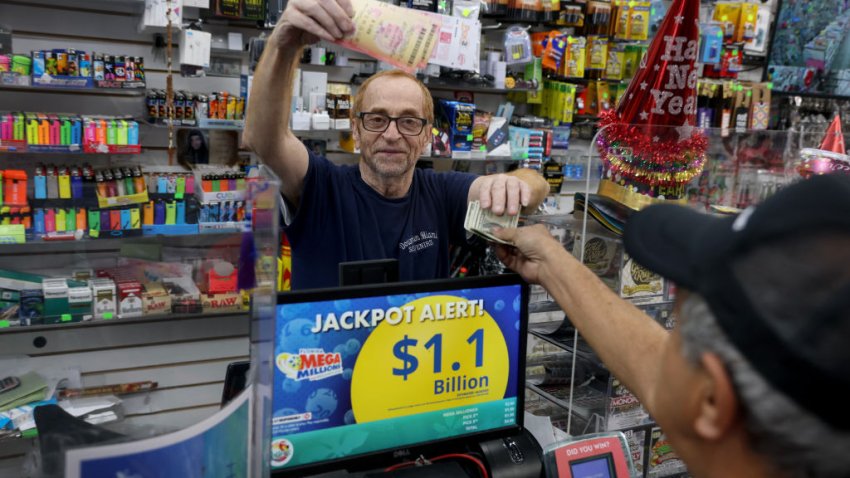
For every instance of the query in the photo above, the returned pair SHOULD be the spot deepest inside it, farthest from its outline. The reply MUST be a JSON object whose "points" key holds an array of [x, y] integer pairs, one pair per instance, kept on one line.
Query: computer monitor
{"points": [[365, 372]]}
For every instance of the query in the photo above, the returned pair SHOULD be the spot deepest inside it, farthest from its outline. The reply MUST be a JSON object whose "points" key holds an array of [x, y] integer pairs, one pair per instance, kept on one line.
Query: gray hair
{"points": [[790, 438]]}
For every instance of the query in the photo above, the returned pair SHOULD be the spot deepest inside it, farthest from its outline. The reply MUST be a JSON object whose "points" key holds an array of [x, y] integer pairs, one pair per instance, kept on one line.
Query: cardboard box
{"points": [[32, 307], [229, 302], [129, 299], [80, 303], [14, 280], [185, 295], [10, 304], [315, 83], [457, 119], [221, 278], [55, 300], [103, 295], [155, 299]]}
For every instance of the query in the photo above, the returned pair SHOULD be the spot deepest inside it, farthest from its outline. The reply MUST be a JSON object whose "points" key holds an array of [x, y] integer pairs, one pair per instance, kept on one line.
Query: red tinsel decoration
{"points": [[635, 153]]}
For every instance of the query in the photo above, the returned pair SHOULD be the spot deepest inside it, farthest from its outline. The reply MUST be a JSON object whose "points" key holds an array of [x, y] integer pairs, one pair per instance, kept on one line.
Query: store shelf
{"points": [[586, 401], [319, 133], [226, 52], [442, 85], [426, 158], [75, 91], [500, 159], [49, 150], [230, 22], [543, 306], [207, 124], [491, 23], [567, 344], [329, 68], [212, 74], [92, 324], [343, 154], [582, 81], [590, 118], [207, 240]]}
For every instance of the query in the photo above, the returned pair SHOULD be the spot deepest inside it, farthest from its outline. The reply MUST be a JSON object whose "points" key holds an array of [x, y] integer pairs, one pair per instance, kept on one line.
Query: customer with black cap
{"points": [[755, 380]]}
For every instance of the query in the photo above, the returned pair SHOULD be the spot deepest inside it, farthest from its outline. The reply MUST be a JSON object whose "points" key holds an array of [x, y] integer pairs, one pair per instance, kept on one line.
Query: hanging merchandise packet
{"points": [[459, 44], [402, 37]]}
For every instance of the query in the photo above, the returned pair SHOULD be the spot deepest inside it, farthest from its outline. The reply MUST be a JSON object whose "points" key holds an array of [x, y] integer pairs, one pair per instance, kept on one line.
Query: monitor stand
{"points": [[379, 271], [440, 469], [512, 456]]}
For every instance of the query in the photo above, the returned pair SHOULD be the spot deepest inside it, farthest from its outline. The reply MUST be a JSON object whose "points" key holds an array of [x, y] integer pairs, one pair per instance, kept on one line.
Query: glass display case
{"points": [[566, 379], [129, 336]]}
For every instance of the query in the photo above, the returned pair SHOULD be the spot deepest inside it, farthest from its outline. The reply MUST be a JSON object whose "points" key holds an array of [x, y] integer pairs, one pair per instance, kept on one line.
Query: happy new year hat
{"points": [[833, 140], [649, 146], [830, 157]]}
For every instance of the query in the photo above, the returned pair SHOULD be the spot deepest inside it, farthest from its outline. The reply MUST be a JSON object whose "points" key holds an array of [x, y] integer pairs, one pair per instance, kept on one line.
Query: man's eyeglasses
{"points": [[379, 122]]}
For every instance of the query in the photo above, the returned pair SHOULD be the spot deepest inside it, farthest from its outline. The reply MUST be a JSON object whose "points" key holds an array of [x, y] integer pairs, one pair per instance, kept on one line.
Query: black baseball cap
{"points": [[805, 356]]}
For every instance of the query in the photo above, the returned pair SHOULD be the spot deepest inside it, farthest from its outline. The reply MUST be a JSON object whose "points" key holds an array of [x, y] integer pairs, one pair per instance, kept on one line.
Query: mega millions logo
{"points": [[310, 364]]}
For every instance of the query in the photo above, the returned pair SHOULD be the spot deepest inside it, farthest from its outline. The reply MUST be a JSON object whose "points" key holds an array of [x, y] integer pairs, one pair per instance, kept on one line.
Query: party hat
{"points": [[831, 157], [649, 145], [833, 140]]}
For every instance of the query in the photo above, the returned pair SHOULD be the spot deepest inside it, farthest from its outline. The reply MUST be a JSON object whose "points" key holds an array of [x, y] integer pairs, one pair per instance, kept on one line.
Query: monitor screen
{"points": [[384, 367], [593, 467]]}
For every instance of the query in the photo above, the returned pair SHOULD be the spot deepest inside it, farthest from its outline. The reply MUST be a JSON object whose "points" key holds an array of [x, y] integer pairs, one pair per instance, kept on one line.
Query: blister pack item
{"points": [[553, 53], [469, 9], [711, 43], [517, 46]]}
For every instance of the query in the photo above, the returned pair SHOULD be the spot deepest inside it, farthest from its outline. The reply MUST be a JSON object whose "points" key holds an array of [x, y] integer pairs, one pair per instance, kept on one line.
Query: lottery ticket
{"points": [[402, 37]]}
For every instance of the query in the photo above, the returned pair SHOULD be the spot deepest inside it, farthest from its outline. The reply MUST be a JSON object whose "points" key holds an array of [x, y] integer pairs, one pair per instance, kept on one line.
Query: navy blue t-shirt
{"points": [[342, 219]]}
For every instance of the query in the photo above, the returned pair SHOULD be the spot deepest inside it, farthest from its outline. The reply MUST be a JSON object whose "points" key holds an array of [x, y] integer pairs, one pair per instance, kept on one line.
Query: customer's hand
{"points": [[306, 21], [533, 248]]}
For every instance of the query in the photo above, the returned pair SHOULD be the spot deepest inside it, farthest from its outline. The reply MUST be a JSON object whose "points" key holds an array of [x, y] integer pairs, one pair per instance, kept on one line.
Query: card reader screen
{"points": [[593, 467]]}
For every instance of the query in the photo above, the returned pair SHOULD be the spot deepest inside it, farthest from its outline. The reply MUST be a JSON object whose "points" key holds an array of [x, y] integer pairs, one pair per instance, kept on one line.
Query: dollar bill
{"points": [[481, 222]]}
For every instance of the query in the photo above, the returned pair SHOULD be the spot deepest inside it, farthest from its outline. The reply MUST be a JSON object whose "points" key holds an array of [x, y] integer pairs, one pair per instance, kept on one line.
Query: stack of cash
{"points": [[481, 222]]}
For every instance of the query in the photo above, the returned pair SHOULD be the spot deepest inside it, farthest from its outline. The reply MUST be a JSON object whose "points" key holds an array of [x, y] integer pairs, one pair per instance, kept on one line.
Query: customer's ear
{"points": [[718, 407]]}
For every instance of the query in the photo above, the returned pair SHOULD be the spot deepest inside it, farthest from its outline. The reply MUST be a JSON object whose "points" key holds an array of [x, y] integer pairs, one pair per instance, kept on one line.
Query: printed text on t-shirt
{"points": [[418, 242]]}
